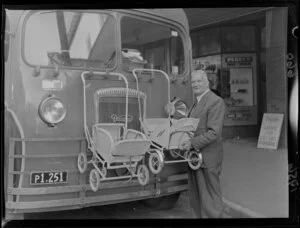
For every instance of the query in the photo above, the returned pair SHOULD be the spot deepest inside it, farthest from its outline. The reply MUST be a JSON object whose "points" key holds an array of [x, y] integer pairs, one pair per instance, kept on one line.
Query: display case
{"points": [[238, 88]]}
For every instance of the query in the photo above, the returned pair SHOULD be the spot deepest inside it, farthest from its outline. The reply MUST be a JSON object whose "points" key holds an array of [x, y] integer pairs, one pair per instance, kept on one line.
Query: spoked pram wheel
{"points": [[143, 174], [156, 162], [94, 180], [194, 160], [186, 154], [82, 162]]}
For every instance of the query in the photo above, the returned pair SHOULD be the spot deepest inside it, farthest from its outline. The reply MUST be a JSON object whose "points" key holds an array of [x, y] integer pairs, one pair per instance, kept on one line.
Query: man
{"points": [[204, 183]]}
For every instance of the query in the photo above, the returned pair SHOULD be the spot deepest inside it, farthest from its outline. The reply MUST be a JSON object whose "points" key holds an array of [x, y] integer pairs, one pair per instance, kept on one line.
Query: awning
{"points": [[199, 17]]}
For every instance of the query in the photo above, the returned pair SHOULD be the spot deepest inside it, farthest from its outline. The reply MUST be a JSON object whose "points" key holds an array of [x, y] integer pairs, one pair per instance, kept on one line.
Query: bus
{"points": [[45, 54]]}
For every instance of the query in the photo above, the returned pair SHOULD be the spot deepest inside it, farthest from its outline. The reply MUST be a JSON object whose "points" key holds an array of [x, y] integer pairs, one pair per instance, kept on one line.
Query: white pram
{"points": [[166, 134], [113, 145]]}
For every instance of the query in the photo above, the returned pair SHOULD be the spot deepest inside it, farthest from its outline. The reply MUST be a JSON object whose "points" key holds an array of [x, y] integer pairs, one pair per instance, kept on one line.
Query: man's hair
{"points": [[203, 74]]}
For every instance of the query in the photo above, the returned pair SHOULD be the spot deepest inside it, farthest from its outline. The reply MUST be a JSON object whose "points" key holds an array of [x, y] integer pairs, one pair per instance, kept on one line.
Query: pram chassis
{"points": [[99, 174], [193, 158]]}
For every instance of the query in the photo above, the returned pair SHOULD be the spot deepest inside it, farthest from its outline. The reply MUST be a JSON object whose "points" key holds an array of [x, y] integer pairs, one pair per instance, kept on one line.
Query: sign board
{"points": [[270, 130]]}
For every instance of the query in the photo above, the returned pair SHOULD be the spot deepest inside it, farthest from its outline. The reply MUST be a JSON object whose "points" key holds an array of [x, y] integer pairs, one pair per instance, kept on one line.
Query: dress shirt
{"points": [[200, 96], [196, 102]]}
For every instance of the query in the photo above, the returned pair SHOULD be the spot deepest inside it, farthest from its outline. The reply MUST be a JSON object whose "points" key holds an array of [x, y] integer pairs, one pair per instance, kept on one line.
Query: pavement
{"points": [[254, 181]]}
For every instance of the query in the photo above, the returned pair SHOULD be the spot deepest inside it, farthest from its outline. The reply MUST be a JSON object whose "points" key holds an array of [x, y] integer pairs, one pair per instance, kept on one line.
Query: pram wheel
{"points": [[186, 154], [94, 179], [155, 162], [82, 162], [194, 160], [143, 174]]}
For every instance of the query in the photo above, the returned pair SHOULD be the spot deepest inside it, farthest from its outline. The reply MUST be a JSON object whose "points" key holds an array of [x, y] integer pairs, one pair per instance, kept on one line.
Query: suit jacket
{"points": [[208, 135]]}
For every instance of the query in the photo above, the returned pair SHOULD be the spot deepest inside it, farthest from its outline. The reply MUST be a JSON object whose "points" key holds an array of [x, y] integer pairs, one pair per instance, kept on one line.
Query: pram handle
{"points": [[100, 73], [151, 70]]}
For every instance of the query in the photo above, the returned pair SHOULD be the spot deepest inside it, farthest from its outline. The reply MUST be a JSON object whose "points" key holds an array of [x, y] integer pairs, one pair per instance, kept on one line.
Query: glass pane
{"points": [[177, 56], [149, 45], [41, 38], [70, 39], [195, 44], [241, 86], [211, 65], [89, 26], [209, 41], [236, 39]]}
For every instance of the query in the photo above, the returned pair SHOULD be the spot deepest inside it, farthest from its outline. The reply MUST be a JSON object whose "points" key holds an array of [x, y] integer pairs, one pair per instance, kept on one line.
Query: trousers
{"points": [[205, 194]]}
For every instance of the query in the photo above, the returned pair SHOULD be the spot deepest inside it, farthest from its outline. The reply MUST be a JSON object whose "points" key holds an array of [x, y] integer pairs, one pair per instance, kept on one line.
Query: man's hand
{"points": [[186, 145]]}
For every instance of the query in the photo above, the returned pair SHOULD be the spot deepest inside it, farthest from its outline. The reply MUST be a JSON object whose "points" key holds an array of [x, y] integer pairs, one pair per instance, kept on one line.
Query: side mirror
{"points": [[177, 108], [181, 109]]}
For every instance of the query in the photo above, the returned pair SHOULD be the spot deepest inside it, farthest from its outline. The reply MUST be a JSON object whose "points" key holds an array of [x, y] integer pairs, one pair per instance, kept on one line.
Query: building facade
{"points": [[246, 61]]}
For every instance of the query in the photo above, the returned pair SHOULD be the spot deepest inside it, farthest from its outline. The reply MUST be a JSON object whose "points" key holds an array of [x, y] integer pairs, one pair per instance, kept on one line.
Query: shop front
{"points": [[245, 59]]}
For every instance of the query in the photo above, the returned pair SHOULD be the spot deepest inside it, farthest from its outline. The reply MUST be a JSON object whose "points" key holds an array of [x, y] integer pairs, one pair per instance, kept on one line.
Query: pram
{"points": [[113, 145], [166, 134]]}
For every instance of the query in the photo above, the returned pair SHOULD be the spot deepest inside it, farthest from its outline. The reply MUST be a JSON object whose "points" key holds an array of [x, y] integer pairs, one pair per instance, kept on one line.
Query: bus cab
{"points": [[48, 109]]}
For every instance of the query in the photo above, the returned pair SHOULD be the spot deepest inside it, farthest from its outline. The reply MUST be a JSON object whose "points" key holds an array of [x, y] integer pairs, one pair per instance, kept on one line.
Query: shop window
{"points": [[209, 41], [195, 44], [212, 66], [238, 39]]}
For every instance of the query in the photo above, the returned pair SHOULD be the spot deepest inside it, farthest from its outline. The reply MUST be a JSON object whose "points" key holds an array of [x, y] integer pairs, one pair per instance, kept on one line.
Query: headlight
{"points": [[52, 110]]}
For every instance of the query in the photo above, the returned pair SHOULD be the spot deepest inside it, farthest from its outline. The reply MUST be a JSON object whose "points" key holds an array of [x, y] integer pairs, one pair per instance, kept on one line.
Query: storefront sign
{"points": [[239, 60], [270, 131]]}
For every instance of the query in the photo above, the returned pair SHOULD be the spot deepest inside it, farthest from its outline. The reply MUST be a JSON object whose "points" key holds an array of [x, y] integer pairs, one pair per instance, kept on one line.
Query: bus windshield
{"points": [[70, 38], [152, 45]]}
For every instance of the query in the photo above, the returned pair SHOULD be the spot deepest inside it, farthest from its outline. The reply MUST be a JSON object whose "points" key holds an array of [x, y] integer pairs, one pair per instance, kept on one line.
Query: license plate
{"points": [[55, 177], [52, 84]]}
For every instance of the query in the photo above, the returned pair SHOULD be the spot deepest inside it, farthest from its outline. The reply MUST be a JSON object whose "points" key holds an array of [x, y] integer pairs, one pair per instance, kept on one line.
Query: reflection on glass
{"points": [[238, 39], [211, 65], [209, 41], [70, 38], [194, 39]]}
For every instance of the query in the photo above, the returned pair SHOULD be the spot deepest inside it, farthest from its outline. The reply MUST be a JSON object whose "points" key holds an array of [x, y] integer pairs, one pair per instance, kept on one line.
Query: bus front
{"points": [[44, 118]]}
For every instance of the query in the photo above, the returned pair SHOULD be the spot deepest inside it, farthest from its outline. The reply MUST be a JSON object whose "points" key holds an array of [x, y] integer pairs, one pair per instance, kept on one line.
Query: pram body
{"points": [[113, 145], [166, 134]]}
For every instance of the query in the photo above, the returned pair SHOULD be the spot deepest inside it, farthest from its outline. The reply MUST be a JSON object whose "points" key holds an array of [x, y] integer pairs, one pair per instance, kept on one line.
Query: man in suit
{"points": [[204, 183]]}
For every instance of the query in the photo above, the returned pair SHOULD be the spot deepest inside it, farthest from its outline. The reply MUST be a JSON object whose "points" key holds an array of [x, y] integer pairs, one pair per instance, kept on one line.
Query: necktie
{"points": [[195, 103]]}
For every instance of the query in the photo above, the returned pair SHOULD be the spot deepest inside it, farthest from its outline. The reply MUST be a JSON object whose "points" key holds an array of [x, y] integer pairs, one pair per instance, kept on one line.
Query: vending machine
{"points": [[238, 88]]}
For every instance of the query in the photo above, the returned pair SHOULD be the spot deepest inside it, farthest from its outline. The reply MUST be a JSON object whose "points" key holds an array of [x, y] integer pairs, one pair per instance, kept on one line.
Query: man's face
{"points": [[198, 84]]}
